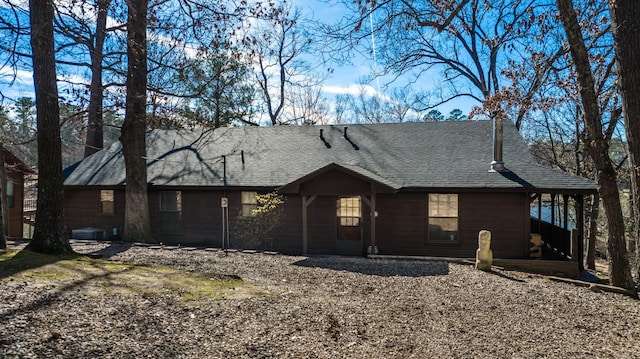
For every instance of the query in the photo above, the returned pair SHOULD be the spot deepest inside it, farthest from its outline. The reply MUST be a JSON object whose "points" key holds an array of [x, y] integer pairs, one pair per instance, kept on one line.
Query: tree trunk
{"points": [[95, 122], [598, 148], [50, 234], [136, 226], [592, 236], [625, 22]]}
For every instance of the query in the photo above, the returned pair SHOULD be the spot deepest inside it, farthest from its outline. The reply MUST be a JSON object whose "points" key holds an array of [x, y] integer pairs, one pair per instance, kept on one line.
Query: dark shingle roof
{"points": [[406, 155], [14, 161]]}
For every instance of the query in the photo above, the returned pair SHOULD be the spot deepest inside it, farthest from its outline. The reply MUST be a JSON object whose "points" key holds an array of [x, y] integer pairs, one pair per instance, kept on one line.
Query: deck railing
{"points": [[558, 238], [29, 205]]}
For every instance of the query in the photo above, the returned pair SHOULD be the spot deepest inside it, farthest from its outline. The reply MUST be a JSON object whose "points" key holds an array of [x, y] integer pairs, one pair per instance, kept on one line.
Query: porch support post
{"points": [[305, 238], [539, 213], [565, 224], [553, 210], [373, 249], [306, 201], [580, 225]]}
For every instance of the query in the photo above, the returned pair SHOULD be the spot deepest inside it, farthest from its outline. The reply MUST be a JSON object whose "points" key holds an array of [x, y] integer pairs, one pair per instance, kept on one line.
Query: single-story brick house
{"points": [[405, 188]]}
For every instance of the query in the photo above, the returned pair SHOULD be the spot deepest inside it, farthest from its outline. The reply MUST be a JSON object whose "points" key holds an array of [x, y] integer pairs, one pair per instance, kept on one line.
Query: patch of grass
{"points": [[15, 259], [6, 254], [104, 277]]}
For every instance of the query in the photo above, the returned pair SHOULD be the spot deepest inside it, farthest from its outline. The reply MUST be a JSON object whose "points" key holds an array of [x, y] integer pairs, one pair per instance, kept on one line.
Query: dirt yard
{"points": [[314, 307]]}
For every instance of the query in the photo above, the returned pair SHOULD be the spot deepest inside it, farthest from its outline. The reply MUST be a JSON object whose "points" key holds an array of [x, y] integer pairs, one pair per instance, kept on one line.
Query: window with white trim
{"points": [[107, 203], [249, 203], [348, 211], [171, 212], [443, 218]]}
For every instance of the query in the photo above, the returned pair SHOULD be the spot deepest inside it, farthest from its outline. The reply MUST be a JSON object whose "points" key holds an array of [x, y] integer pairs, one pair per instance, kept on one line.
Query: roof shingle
{"points": [[405, 155]]}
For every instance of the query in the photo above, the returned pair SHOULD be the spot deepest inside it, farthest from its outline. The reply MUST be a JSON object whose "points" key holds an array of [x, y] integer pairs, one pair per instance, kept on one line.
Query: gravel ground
{"points": [[322, 307]]}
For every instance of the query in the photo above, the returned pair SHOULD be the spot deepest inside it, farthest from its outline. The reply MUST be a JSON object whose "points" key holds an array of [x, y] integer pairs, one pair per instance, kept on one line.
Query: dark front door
{"points": [[349, 218]]}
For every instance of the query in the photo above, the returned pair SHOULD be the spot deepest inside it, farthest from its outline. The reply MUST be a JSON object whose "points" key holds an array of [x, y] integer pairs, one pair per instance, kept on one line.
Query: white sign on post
{"points": [[224, 202]]}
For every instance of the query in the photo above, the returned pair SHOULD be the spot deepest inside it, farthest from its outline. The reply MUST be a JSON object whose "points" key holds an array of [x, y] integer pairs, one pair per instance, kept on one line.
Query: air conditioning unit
{"points": [[89, 233]]}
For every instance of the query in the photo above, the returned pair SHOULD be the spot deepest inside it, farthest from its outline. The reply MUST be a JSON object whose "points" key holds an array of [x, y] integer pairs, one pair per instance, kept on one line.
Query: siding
{"points": [[201, 218], [401, 225], [506, 215], [82, 210], [322, 225], [335, 183], [15, 213], [287, 235]]}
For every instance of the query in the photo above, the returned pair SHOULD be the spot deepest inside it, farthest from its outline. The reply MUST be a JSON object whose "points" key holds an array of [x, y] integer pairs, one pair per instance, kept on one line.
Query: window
{"points": [[10, 194], [171, 212], [349, 211], [106, 202], [249, 204], [443, 218]]}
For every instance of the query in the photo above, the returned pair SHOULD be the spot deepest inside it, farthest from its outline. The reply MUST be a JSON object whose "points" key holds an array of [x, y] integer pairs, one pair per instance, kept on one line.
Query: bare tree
{"points": [[404, 103], [369, 106], [625, 18], [463, 40], [598, 148], [15, 32], [134, 148], [555, 121], [95, 137], [308, 106], [81, 34], [49, 235], [278, 47]]}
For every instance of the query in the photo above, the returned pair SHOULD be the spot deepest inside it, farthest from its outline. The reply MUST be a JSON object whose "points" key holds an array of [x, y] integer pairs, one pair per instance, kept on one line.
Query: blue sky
{"points": [[343, 79]]}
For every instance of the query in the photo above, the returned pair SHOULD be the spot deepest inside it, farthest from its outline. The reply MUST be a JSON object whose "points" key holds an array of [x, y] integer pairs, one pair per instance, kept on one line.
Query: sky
{"points": [[343, 79]]}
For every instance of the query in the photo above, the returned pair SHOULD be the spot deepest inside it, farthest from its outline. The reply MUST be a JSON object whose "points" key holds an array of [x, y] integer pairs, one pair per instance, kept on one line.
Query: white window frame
{"points": [[443, 212], [349, 211], [249, 203], [104, 198]]}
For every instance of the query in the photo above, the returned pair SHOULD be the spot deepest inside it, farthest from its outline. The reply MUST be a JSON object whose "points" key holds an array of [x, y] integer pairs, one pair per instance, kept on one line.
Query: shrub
{"points": [[255, 231]]}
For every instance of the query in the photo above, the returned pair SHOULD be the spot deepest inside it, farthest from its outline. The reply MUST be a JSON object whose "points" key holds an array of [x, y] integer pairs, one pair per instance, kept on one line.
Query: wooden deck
{"points": [[569, 269]]}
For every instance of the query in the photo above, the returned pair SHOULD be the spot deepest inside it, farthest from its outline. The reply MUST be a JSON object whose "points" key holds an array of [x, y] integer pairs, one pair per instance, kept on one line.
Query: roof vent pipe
{"points": [[497, 165], [224, 170], [324, 140], [346, 137]]}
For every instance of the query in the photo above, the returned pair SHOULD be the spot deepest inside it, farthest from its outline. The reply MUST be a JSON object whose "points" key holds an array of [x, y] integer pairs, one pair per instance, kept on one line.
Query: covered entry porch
{"points": [[339, 209]]}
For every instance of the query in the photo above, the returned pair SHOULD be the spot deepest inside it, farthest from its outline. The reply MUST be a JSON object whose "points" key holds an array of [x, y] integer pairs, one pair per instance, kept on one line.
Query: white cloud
{"points": [[15, 85], [351, 89]]}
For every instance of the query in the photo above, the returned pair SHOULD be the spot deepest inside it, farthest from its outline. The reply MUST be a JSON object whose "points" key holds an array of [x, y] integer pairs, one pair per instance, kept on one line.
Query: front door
{"points": [[349, 218]]}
